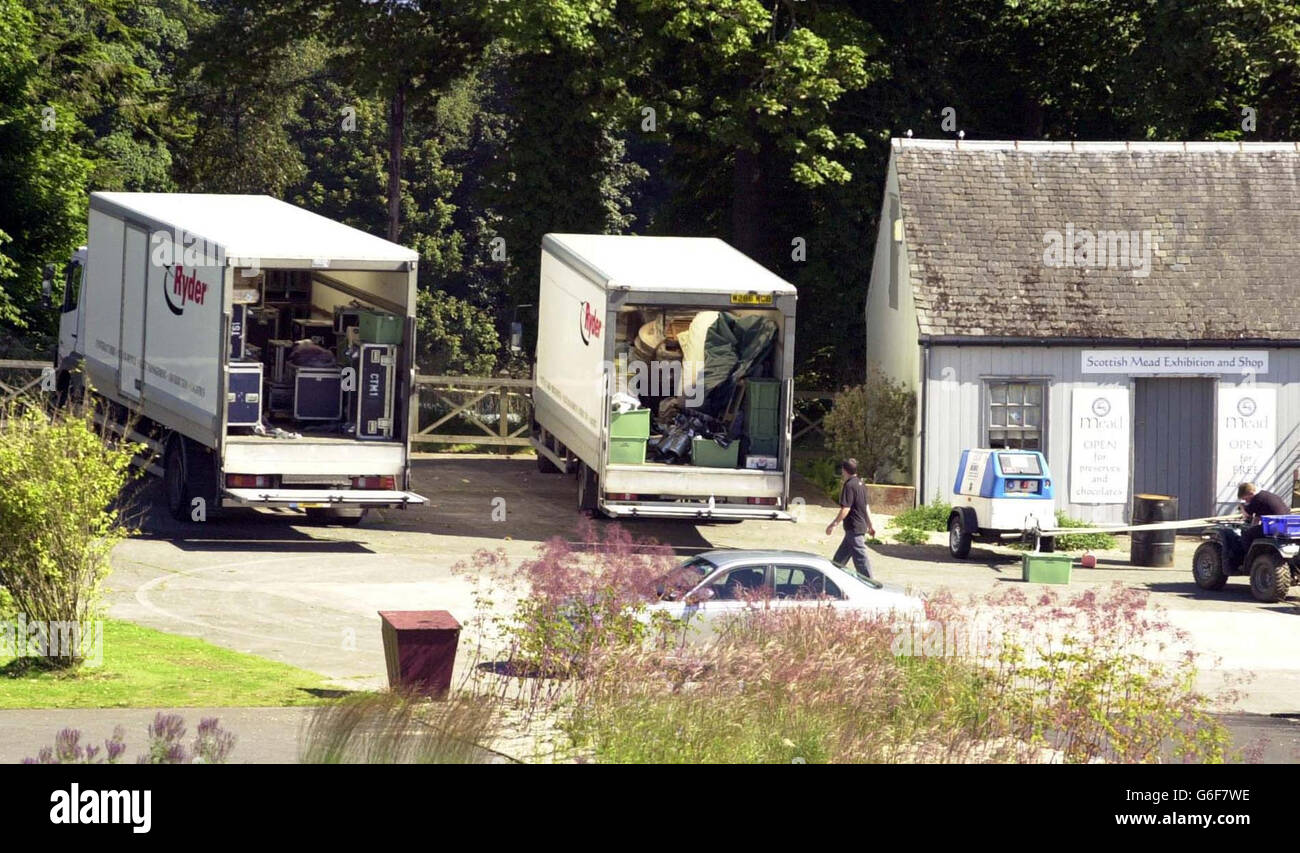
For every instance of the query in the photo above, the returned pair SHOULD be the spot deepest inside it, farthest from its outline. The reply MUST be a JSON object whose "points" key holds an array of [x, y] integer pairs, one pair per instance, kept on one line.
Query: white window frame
{"points": [[987, 404]]}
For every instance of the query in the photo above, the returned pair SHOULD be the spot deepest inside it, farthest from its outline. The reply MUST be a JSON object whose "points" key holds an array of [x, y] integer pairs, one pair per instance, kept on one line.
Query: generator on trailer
{"points": [[1001, 494], [176, 314]]}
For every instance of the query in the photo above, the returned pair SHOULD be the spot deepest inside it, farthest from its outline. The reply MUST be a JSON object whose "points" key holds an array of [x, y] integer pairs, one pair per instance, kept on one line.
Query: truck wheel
{"points": [[342, 517], [587, 488], [958, 537], [545, 465], [188, 473], [1207, 567], [1270, 577]]}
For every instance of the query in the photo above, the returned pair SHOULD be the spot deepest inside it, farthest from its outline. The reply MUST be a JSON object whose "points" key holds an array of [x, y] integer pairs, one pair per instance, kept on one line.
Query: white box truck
{"points": [[157, 316], [608, 302]]}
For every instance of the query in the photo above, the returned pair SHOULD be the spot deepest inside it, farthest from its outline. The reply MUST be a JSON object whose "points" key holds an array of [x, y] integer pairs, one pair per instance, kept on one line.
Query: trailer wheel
{"points": [[1207, 567], [958, 537], [1270, 577], [587, 488]]}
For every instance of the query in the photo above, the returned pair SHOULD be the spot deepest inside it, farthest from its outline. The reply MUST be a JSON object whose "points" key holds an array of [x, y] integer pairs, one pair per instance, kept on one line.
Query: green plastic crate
{"points": [[705, 453], [1046, 568], [633, 424], [379, 327], [627, 451], [763, 416]]}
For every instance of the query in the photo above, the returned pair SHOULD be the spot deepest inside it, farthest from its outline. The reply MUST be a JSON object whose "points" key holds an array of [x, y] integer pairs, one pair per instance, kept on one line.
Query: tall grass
{"points": [[398, 728]]}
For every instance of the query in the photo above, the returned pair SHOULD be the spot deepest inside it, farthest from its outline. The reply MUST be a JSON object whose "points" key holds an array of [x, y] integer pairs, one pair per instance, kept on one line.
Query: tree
{"points": [[454, 337], [873, 422]]}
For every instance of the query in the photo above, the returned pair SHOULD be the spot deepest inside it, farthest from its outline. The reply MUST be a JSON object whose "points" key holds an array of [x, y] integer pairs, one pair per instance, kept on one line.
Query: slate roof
{"points": [[1223, 221]]}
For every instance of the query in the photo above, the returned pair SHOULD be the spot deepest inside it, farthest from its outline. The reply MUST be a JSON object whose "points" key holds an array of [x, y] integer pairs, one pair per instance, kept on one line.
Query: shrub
{"points": [[1071, 680], [1080, 541], [59, 481], [212, 745], [932, 516], [912, 536], [572, 600], [873, 422], [824, 472]]}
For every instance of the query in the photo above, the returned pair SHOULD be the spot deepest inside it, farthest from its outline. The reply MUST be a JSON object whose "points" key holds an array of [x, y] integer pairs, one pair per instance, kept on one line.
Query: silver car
{"points": [[718, 584]]}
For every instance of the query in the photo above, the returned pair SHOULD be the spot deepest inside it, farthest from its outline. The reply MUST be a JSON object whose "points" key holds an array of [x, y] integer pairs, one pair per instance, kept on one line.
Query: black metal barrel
{"points": [[1155, 547]]}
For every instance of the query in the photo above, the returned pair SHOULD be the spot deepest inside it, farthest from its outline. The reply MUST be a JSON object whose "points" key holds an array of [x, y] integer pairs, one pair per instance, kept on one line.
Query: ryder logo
{"points": [[186, 288], [590, 324]]}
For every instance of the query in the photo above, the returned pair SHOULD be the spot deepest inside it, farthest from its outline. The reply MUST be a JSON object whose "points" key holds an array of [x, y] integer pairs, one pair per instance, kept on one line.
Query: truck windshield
{"points": [[1019, 463]]}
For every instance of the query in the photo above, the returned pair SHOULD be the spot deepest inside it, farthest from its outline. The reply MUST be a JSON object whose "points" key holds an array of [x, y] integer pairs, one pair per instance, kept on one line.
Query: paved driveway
{"points": [[308, 595]]}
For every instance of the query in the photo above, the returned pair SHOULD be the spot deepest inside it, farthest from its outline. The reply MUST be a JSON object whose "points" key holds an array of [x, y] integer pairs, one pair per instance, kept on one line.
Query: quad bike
{"points": [[1271, 563]]}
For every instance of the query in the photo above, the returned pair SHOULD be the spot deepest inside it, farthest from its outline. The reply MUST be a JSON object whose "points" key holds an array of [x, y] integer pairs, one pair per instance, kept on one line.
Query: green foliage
{"points": [[873, 423], [59, 484], [932, 516], [1080, 541], [912, 536], [454, 337], [824, 472]]}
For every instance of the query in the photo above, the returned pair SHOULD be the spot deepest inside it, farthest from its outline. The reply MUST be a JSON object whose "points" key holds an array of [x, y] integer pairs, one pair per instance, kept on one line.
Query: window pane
{"points": [[998, 417], [1015, 416], [1032, 414], [998, 394], [1015, 394], [739, 584], [1034, 395]]}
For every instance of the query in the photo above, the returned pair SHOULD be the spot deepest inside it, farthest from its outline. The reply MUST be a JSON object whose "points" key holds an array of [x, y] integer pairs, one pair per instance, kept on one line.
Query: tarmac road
{"points": [[273, 585]]}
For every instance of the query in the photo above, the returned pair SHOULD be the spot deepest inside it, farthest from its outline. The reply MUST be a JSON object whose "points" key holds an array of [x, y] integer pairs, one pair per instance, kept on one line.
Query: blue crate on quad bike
{"points": [[1272, 561]]}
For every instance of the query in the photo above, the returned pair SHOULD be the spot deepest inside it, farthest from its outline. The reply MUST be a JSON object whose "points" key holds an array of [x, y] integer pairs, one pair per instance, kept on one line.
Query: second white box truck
{"points": [[699, 340], [266, 354]]}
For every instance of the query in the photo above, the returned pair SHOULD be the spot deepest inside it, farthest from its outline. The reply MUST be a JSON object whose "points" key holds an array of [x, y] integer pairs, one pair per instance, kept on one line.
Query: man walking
{"points": [[855, 514]]}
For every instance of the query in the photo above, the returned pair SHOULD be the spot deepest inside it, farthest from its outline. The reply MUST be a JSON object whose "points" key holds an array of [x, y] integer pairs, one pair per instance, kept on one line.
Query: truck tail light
{"points": [[249, 481], [761, 501], [620, 496], [387, 483]]}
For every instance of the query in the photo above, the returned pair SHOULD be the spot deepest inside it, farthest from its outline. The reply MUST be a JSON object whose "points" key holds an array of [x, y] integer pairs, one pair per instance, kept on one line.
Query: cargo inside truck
{"points": [[315, 361], [697, 386]]}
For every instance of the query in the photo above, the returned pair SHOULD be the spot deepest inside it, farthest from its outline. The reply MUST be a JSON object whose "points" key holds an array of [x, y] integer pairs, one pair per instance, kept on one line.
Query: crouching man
{"points": [[1255, 504]]}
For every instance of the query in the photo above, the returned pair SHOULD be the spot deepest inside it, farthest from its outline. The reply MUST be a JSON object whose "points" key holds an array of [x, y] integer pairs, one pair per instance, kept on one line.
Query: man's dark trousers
{"points": [[855, 546]]}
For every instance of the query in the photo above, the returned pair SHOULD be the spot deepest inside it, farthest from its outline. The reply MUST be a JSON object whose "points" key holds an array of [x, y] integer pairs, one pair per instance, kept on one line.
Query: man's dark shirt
{"points": [[1262, 503], [854, 496]]}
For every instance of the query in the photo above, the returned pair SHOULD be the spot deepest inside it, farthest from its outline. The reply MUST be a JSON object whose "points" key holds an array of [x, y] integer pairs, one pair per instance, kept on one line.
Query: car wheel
{"points": [[1207, 566], [958, 537], [1270, 577]]}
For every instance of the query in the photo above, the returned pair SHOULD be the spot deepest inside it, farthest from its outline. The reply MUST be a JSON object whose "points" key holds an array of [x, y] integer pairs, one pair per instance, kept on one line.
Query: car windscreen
{"points": [[683, 579], [1019, 463]]}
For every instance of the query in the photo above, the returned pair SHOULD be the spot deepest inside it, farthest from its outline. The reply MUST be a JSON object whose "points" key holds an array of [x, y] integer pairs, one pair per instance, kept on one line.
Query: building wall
{"points": [[954, 414], [892, 331]]}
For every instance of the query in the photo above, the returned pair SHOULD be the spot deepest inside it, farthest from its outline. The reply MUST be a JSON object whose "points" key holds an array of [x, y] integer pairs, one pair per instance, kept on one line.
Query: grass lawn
{"points": [[147, 668]]}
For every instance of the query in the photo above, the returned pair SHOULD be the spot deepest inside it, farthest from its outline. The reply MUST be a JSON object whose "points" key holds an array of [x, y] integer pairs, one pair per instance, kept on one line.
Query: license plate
{"points": [[751, 299]]}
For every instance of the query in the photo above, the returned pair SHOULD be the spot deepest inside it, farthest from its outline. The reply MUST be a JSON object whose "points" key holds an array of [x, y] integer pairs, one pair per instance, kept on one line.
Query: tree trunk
{"points": [[747, 221], [396, 128]]}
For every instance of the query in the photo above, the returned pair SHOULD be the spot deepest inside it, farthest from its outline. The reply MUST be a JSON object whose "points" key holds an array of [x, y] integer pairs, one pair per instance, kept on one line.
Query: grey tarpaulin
{"points": [[732, 347]]}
